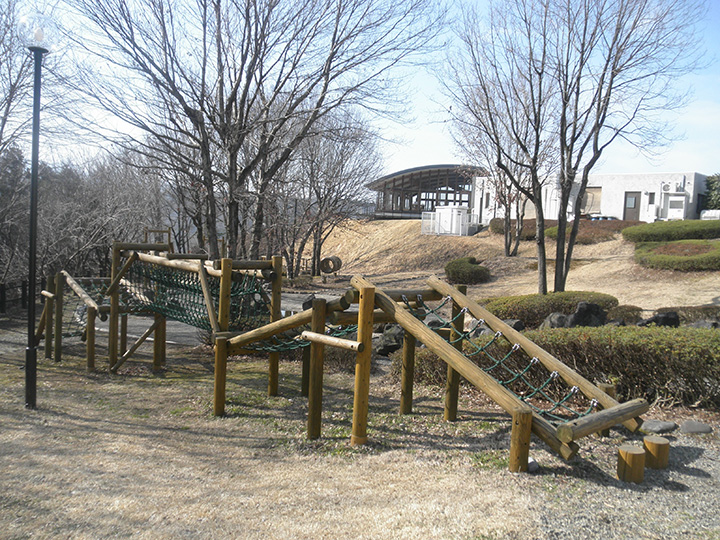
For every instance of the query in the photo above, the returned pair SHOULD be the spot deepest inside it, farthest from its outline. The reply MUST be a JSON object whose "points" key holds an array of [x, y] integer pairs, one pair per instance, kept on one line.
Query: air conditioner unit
{"points": [[665, 187]]}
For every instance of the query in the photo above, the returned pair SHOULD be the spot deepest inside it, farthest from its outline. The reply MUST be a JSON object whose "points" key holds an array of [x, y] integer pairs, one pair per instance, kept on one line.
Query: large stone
{"points": [[669, 318], [308, 302], [658, 426], [705, 323], [390, 341], [515, 324], [586, 314], [693, 426], [554, 320]]}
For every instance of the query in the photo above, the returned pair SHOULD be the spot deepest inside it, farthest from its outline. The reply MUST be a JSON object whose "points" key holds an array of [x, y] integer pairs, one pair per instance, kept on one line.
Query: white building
{"points": [[634, 197]]}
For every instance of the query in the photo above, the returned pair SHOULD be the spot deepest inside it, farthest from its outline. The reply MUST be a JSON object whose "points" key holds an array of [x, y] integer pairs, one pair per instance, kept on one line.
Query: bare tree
{"points": [[239, 84], [502, 85], [571, 77]]}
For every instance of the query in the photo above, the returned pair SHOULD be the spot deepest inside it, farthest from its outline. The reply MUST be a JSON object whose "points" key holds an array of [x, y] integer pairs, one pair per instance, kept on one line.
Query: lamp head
{"points": [[38, 32]]}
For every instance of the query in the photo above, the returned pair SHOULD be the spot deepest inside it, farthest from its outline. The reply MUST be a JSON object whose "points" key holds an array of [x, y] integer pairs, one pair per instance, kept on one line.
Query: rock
{"points": [[433, 321], [669, 318], [480, 330], [658, 426], [692, 426], [390, 341], [586, 314], [515, 324], [533, 465], [554, 320], [307, 302], [705, 323]]}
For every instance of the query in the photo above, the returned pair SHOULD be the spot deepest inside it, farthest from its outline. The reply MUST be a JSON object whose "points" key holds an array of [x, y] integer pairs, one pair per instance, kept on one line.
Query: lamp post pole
{"points": [[37, 33], [31, 351]]}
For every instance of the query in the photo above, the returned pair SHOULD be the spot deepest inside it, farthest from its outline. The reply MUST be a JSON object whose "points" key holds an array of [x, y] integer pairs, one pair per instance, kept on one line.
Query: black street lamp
{"points": [[37, 33]]}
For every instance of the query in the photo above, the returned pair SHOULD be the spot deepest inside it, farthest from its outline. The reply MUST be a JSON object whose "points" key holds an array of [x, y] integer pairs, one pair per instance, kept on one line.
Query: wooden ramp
{"points": [[561, 438]]}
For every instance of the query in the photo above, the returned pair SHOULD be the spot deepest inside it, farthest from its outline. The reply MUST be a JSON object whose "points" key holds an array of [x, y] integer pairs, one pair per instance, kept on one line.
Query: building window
{"points": [[487, 200], [651, 198]]}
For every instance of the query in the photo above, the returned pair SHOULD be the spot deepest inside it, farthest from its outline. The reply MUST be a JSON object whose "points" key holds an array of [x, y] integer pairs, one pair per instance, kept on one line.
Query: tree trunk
{"points": [[540, 241]]}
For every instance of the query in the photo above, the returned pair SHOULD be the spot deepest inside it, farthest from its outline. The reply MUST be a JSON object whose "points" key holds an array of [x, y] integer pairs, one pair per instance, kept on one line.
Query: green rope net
{"points": [[545, 392], [178, 295]]}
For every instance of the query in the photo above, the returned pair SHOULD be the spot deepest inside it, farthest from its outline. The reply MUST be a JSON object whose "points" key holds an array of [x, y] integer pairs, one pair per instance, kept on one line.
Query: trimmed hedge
{"points": [[678, 366], [593, 232], [703, 255], [497, 226], [466, 270], [667, 231], [626, 313], [532, 309]]}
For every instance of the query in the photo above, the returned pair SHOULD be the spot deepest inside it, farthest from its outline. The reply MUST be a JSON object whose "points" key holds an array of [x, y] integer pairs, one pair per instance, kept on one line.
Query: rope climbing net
{"points": [[545, 392], [178, 295]]}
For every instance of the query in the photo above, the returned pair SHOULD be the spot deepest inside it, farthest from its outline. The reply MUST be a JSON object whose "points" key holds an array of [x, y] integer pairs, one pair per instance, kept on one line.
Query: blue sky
{"points": [[427, 141]]}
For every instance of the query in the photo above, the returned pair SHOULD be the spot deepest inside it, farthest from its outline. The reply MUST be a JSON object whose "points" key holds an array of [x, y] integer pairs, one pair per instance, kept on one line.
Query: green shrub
{"points": [[667, 231], [684, 255], [690, 314], [673, 365], [629, 314], [593, 232], [532, 309], [466, 270]]}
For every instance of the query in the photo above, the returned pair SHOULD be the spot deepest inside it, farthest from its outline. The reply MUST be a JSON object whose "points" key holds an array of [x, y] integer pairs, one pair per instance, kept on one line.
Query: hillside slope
{"points": [[395, 254]]}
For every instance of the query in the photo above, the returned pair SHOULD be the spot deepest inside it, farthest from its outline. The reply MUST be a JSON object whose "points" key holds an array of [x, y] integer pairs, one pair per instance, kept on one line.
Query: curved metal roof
{"points": [[428, 173]]}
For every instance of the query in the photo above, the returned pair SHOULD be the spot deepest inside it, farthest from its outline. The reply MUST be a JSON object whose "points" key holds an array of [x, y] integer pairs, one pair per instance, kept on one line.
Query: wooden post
{"points": [[90, 343], [220, 376], [611, 391], [408, 373], [631, 463], [224, 299], [316, 371], [59, 292], [276, 315], [452, 386], [123, 333], [520, 439], [362, 364], [159, 342], [113, 323], [657, 452], [49, 313], [305, 378], [2, 298]]}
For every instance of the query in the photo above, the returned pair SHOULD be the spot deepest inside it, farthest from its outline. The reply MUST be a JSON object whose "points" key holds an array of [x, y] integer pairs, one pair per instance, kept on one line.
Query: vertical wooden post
{"points": [[3, 298], [220, 376], [610, 390], [520, 439], [362, 365], [408, 373], [221, 343], [276, 315], [123, 333], [452, 386], [316, 371], [631, 464], [159, 342], [305, 378], [59, 292], [224, 299], [113, 322], [49, 313], [90, 342]]}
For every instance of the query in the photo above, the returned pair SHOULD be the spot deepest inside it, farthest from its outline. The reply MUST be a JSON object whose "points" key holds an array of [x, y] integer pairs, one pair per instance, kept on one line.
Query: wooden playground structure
{"points": [[239, 302]]}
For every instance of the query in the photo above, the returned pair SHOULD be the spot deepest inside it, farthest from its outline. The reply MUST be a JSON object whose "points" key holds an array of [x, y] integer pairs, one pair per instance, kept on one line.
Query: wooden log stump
{"points": [[657, 452], [631, 463]]}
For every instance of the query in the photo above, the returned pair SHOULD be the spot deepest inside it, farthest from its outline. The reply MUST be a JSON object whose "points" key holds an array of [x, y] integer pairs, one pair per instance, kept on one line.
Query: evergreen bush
{"points": [[466, 270], [668, 231], [683, 256], [533, 309]]}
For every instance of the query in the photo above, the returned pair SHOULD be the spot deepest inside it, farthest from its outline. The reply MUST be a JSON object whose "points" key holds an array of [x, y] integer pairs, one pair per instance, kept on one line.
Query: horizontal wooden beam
{"points": [[332, 341], [133, 246], [283, 325], [246, 265], [410, 294], [190, 256], [592, 423]]}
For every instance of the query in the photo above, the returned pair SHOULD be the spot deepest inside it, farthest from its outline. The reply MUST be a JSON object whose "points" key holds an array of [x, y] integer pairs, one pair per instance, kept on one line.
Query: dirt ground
{"points": [[139, 455]]}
